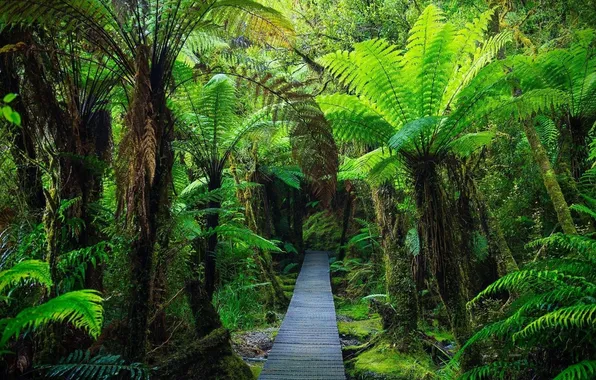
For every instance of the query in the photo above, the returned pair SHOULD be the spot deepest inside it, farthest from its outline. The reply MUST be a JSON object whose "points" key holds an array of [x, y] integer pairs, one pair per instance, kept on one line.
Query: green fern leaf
{"points": [[81, 308], [34, 270]]}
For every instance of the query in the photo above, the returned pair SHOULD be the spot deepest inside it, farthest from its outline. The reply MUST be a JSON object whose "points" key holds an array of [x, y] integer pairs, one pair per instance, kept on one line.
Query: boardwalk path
{"points": [[307, 345]]}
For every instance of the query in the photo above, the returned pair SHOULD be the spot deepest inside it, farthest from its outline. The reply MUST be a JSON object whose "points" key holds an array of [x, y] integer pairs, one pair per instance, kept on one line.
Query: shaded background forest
{"points": [[165, 163]]}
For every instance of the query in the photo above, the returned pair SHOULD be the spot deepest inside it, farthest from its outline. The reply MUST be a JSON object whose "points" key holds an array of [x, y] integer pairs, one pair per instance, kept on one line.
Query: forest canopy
{"points": [[167, 166]]}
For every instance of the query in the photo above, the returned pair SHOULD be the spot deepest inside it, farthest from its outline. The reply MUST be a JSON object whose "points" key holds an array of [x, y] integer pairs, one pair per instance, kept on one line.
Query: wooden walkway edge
{"points": [[307, 344]]}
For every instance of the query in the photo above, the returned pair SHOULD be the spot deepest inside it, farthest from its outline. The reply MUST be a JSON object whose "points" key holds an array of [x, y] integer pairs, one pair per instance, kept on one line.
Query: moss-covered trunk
{"points": [[213, 239], [146, 158], [550, 179], [438, 230], [400, 286]]}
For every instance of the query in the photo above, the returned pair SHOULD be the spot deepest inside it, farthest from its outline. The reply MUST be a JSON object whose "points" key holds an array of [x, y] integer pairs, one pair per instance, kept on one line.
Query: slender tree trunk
{"points": [[402, 323], [212, 241], [297, 208], [347, 217], [550, 179]]}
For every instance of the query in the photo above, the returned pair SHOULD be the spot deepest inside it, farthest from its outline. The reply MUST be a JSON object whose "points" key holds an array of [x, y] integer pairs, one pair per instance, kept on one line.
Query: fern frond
{"points": [[496, 370], [584, 210], [81, 365], [415, 134], [523, 280], [34, 270], [355, 119], [243, 235], [81, 308], [467, 144], [577, 316], [583, 245], [583, 370]]}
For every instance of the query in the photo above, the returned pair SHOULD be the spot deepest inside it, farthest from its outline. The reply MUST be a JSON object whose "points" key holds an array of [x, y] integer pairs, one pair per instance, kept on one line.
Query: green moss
{"points": [[440, 335], [289, 280], [356, 311], [360, 329], [336, 281], [256, 370], [288, 288], [384, 362], [288, 294]]}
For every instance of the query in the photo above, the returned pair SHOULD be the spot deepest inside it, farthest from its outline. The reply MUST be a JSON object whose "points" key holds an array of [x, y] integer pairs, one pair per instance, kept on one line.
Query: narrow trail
{"points": [[307, 345]]}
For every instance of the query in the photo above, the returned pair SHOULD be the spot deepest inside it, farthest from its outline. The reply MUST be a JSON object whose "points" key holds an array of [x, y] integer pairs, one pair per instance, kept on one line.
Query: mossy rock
{"points": [[356, 311], [384, 362], [360, 330]]}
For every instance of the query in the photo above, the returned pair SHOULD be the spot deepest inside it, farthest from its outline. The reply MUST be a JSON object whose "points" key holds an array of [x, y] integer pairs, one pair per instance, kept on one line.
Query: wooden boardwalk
{"points": [[307, 345]]}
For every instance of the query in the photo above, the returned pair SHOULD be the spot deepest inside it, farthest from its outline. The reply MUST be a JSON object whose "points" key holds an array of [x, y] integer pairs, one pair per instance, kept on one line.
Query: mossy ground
{"points": [[384, 362], [360, 330], [357, 311]]}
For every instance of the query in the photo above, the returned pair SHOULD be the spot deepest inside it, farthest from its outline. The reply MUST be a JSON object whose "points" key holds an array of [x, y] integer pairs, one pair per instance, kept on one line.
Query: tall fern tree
{"points": [[418, 103], [211, 131], [144, 38]]}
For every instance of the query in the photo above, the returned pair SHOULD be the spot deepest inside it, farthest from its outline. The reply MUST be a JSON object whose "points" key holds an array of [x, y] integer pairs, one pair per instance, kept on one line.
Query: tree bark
{"points": [[347, 217], [398, 275], [550, 179], [149, 163], [212, 241]]}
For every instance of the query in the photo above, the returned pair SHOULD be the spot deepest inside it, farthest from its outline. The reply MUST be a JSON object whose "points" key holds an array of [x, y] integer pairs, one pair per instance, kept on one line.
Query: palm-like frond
{"points": [[405, 94]]}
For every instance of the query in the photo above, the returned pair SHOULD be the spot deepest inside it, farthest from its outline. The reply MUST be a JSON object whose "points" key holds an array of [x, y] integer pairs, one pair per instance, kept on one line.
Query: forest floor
{"points": [[366, 351]]}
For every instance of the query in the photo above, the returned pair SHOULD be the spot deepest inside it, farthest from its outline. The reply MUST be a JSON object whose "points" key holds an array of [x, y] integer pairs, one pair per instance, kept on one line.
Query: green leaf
{"points": [[9, 98], [7, 112], [16, 118]]}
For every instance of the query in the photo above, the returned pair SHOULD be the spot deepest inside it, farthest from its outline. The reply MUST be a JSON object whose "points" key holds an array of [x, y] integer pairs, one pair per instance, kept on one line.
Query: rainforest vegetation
{"points": [[166, 164]]}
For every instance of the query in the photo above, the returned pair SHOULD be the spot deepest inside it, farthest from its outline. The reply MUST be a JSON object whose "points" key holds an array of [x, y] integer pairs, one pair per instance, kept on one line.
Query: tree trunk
{"points": [[297, 208], [347, 217], [212, 241], [23, 146], [400, 286], [147, 157], [438, 229], [550, 179]]}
